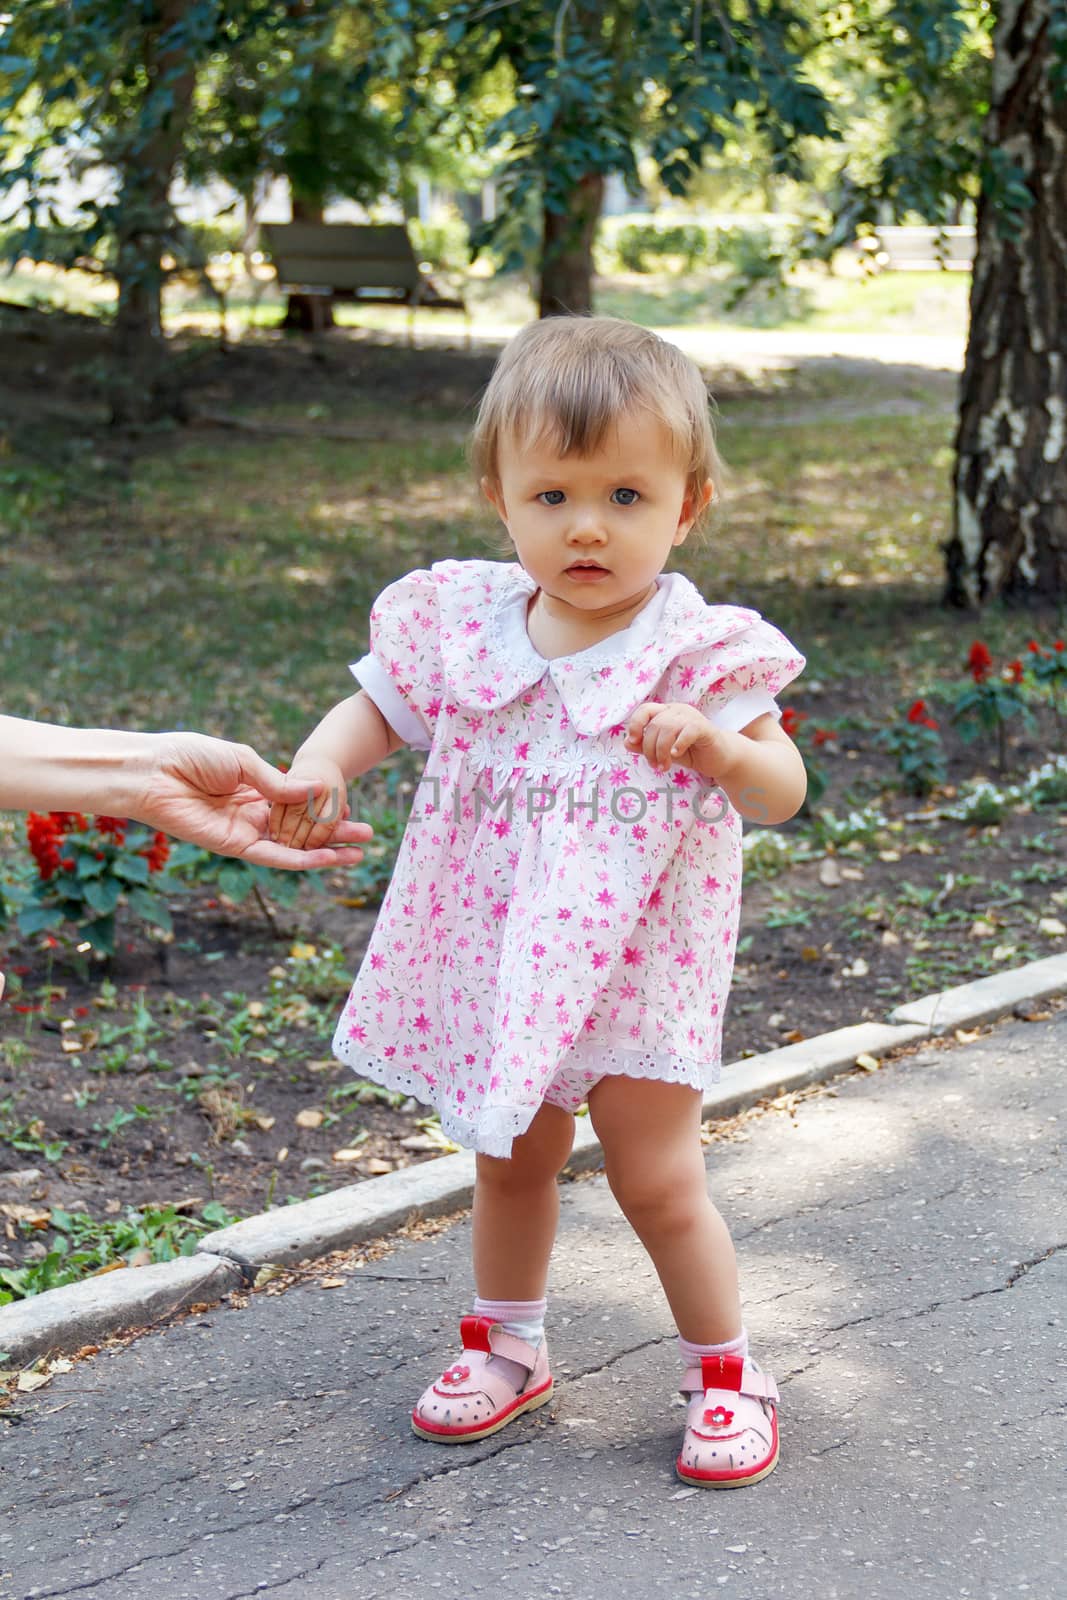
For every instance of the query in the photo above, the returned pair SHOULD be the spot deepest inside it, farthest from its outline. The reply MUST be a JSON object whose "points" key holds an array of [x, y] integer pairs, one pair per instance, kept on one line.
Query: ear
{"points": [[693, 504], [494, 494]]}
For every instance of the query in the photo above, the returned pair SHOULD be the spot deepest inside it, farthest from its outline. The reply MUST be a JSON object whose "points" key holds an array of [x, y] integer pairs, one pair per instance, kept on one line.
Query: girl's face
{"points": [[595, 531]]}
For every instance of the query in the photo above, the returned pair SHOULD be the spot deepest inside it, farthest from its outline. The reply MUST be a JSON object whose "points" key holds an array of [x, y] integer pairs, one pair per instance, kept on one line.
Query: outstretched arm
{"points": [[207, 791]]}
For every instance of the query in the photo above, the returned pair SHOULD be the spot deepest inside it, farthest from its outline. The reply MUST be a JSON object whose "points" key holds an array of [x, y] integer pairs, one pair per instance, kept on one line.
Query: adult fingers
{"points": [[265, 853], [272, 784]]}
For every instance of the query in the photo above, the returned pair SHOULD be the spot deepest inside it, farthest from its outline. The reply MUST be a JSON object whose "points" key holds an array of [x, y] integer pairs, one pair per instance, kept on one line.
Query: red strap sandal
{"points": [[470, 1400], [732, 1434]]}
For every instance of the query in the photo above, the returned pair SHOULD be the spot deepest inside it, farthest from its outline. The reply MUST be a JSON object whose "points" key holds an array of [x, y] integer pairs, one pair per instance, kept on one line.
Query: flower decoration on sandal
{"points": [[718, 1418], [456, 1374]]}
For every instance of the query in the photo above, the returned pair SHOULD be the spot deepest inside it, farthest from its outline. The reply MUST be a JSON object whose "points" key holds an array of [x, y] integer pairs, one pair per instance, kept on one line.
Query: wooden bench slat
{"points": [[334, 273], [356, 261]]}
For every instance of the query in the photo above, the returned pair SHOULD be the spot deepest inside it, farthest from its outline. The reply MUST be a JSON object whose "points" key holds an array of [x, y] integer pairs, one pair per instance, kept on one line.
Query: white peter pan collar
{"points": [[489, 658]]}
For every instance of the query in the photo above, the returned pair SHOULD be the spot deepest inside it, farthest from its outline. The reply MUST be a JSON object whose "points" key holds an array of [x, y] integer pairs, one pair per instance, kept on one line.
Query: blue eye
{"points": [[631, 497], [551, 497]]}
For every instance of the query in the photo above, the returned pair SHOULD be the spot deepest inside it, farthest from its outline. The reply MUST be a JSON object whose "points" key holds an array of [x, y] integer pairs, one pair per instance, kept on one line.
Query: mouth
{"points": [[586, 566]]}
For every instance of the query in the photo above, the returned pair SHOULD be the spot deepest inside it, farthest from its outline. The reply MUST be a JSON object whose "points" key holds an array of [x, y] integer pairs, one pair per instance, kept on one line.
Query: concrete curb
{"points": [[82, 1313], [986, 998], [65, 1319]]}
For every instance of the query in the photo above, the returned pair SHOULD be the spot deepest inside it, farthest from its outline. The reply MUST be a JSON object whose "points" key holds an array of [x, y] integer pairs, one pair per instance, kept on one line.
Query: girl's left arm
{"points": [[759, 769]]}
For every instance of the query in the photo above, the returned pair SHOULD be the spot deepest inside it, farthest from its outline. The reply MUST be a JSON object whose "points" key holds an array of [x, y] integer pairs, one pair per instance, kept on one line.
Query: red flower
{"points": [[1058, 645], [1014, 670], [918, 714], [113, 828], [979, 661], [158, 856], [823, 736], [792, 719], [68, 821], [43, 836], [1035, 648]]}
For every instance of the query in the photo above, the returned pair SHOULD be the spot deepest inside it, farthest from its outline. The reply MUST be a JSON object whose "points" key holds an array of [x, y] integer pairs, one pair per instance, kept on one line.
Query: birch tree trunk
{"points": [[1009, 535]]}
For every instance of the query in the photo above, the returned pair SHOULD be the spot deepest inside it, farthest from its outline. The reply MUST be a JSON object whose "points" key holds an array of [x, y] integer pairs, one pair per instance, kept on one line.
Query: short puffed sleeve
{"points": [[736, 680], [402, 673]]}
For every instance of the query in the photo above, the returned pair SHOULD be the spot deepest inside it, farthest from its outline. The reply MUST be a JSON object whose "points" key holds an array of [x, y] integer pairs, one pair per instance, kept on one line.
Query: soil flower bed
{"points": [[195, 1082]]}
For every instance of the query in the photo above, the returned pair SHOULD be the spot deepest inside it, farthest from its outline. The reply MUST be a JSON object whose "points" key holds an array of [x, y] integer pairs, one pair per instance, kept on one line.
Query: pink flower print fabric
{"points": [[559, 909]]}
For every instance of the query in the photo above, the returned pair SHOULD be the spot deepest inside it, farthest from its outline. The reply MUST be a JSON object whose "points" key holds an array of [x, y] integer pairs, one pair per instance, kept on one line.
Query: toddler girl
{"points": [[561, 922]]}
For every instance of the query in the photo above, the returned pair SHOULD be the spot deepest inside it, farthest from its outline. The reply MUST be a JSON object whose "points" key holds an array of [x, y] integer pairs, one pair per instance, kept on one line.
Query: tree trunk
{"points": [[143, 385], [567, 251], [1009, 535], [308, 313]]}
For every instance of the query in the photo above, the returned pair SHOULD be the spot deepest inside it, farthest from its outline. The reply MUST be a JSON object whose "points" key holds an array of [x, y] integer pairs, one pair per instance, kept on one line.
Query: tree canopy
{"points": [[884, 108]]}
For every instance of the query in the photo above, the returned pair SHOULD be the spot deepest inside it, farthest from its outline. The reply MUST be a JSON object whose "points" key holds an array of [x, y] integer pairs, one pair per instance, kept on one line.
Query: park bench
{"points": [[918, 248], [370, 262]]}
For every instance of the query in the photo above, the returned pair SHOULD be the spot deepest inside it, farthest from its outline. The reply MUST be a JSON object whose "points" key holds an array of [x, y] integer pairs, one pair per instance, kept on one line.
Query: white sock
{"points": [[523, 1319]]}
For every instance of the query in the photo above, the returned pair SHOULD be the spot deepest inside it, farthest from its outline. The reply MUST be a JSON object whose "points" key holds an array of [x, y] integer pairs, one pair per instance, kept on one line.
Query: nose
{"points": [[586, 526]]}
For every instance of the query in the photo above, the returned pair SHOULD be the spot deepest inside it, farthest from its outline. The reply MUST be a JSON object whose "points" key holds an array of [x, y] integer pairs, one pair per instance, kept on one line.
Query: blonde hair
{"points": [[567, 380]]}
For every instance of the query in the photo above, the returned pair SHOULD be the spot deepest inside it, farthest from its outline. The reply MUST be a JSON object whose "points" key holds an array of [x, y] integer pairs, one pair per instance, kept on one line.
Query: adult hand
{"points": [[219, 795]]}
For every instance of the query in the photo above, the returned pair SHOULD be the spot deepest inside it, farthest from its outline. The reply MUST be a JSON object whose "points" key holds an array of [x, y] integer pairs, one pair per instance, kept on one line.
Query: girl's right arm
{"points": [[350, 740]]}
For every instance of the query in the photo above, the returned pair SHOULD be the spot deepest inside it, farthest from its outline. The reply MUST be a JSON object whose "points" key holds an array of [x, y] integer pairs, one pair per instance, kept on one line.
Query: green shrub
{"points": [[915, 743], [81, 1245], [644, 246], [444, 246]]}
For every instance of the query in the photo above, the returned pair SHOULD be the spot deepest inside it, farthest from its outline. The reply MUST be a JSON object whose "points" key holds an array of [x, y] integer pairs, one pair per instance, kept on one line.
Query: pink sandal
{"points": [[469, 1400], [732, 1433]]}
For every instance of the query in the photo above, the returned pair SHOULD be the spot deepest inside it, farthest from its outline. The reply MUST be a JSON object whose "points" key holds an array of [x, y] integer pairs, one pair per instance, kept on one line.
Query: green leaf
{"points": [[101, 934], [36, 919], [147, 905], [235, 880], [133, 868], [102, 897]]}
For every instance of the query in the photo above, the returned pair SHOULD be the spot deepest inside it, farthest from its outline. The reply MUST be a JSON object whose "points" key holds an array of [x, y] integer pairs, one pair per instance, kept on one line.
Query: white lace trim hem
{"points": [[490, 1130]]}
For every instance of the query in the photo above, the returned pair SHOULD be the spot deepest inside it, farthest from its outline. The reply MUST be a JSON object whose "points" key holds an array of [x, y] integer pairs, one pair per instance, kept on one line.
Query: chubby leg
{"points": [[651, 1137], [503, 1371], [655, 1166], [516, 1209]]}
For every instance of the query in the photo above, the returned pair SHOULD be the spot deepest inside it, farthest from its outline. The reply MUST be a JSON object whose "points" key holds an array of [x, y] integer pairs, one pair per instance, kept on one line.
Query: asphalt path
{"points": [[903, 1242]]}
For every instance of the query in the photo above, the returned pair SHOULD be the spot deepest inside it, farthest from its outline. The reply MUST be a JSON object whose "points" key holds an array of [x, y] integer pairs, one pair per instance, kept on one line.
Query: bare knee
{"points": [[657, 1204], [537, 1156]]}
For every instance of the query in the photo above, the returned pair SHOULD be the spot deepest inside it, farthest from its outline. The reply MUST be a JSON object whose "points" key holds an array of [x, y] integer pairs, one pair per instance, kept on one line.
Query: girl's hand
{"points": [[311, 824], [676, 734], [221, 796]]}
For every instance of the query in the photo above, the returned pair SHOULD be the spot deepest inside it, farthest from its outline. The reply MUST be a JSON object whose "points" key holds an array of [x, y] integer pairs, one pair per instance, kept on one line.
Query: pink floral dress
{"points": [[559, 909]]}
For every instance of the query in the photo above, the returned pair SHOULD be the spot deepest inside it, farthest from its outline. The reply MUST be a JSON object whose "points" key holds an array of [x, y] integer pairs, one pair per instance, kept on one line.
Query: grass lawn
{"points": [[257, 559], [907, 303]]}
